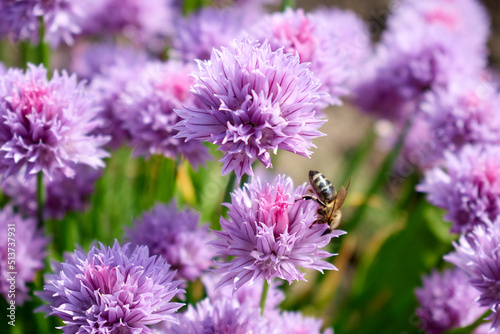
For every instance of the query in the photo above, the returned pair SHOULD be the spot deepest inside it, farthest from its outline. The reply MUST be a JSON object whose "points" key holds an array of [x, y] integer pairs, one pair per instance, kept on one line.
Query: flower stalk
{"points": [[263, 297], [40, 198]]}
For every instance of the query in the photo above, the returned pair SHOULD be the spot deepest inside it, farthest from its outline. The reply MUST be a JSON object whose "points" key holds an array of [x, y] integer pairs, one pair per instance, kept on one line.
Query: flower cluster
{"points": [[111, 289], [176, 236], [251, 101], [22, 242], [47, 124], [270, 234]]}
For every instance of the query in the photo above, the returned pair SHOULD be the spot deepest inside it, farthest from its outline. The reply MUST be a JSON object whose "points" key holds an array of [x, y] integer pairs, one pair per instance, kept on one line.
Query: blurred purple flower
{"points": [[421, 51], [30, 245], [348, 43], [208, 28], [92, 59], [219, 316], [477, 253], [465, 113], [47, 124], [20, 20], [108, 84], [63, 194], [445, 17], [176, 236], [296, 323], [467, 186], [447, 301], [271, 233], [146, 108], [143, 22], [449, 118], [320, 38], [252, 101], [247, 296], [111, 290]]}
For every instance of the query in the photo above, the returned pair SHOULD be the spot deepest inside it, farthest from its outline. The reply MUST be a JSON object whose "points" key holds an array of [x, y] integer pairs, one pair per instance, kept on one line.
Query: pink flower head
{"points": [[111, 289], [271, 233], [467, 185], [47, 124], [252, 101]]}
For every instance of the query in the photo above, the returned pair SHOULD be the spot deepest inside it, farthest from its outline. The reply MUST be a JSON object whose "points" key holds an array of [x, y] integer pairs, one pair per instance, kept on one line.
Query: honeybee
{"points": [[328, 199]]}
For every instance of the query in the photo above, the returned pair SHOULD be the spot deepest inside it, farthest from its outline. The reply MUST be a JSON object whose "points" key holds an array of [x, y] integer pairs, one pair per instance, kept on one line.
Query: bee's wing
{"points": [[341, 195]]}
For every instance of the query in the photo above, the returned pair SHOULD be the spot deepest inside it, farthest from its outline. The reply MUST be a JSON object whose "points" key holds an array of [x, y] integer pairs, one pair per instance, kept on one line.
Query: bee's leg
{"points": [[314, 198]]}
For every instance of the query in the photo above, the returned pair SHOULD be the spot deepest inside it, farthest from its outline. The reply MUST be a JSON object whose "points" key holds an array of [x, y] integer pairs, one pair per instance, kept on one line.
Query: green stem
{"points": [[470, 329], [287, 3], [263, 297], [191, 6], [244, 179], [381, 176], [43, 49], [229, 188], [40, 198]]}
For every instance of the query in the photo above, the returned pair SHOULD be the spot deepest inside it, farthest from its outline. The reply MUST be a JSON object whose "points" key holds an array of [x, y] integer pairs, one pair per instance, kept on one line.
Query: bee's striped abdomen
{"points": [[323, 188]]}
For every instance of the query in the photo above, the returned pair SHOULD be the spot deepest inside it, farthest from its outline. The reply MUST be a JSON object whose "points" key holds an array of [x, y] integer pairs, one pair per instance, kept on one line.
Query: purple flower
{"points": [[297, 323], [89, 60], [208, 28], [63, 194], [21, 20], [108, 85], [109, 290], [464, 113], [176, 236], [29, 245], [467, 186], [143, 22], [271, 233], [220, 316], [146, 108], [348, 44], [252, 101], [247, 296], [420, 51], [446, 17], [447, 301], [477, 253], [47, 124], [317, 41]]}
